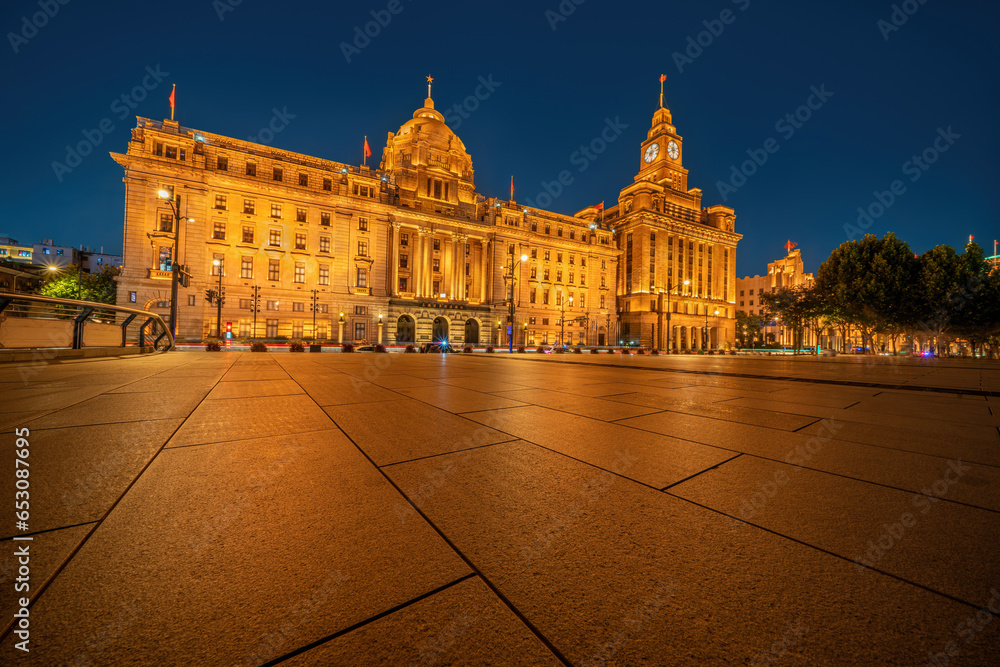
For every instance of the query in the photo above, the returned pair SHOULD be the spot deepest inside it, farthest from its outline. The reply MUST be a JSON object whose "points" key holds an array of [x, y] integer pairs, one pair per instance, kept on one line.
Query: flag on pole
{"points": [[368, 149], [512, 187], [790, 245], [173, 97]]}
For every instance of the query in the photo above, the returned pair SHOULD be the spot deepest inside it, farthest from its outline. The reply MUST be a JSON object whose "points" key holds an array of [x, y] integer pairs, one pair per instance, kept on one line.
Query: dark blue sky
{"points": [[556, 90]]}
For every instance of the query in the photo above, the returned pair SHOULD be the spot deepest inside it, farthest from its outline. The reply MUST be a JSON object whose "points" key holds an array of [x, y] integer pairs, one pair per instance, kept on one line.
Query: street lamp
{"points": [[510, 310], [174, 266], [218, 300], [562, 322], [670, 289]]}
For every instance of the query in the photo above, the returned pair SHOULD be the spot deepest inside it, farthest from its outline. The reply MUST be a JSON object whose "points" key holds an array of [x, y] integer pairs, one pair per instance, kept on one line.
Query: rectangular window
{"points": [[300, 241], [572, 234], [531, 296], [272, 328], [558, 276], [272, 305], [172, 152], [545, 296], [324, 274], [300, 215], [246, 267], [300, 272], [363, 224], [534, 253], [322, 308], [297, 329], [274, 269], [247, 233], [571, 277], [437, 287], [327, 184], [602, 301], [274, 238], [191, 298], [560, 232], [222, 163], [403, 259], [437, 244], [360, 310], [572, 259], [363, 248], [559, 257], [298, 307], [304, 180], [324, 244], [183, 155], [362, 278], [545, 274], [402, 284], [248, 206], [166, 222], [359, 331], [583, 300], [251, 168], [548, 229], [404, 239], [546, 256], [436, 264], [166, 252], [158, 149], [219, 231], [545, 321], [277, 175], [275, 210], [324, 218], [220, 202], [534, 273], [218, 264]]}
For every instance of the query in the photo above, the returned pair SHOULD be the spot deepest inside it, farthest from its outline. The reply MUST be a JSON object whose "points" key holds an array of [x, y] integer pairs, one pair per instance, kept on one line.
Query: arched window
{"points": [[405, 329], [440, 332], [472, 332]]}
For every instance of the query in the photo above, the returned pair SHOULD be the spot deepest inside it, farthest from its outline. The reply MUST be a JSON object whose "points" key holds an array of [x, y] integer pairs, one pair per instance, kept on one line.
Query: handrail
{"points": [[88, 308]]}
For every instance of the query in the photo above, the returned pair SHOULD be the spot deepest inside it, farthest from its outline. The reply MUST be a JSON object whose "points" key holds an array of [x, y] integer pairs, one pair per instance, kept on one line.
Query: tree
{"points": [[748, 328], [99, 287]]}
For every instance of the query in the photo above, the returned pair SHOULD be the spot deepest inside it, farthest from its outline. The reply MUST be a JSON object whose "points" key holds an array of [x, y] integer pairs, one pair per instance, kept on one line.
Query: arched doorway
{"points": [[405, 329], [472, 332], [440, 331]]}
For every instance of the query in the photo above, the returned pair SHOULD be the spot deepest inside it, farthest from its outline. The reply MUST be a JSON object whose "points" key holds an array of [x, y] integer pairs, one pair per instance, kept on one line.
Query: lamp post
{"points": [[315, 300], [175, 267], [498, 333], [524, 337], [562, 322], [255, 308], [218, 299], [670, 289], [510, 310], [340, 330]]}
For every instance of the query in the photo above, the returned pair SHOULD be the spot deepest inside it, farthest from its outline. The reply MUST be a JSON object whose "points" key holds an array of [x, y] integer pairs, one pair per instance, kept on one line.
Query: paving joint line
{"points": [[701, 472]]}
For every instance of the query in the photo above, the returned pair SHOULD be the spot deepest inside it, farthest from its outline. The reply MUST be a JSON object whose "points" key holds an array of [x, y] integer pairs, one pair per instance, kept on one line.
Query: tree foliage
{"points": [[71, 283]]}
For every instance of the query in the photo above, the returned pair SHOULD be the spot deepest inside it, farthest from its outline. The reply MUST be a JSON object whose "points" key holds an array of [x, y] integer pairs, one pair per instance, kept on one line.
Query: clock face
{"points": [[673, 150], [651, 152]]}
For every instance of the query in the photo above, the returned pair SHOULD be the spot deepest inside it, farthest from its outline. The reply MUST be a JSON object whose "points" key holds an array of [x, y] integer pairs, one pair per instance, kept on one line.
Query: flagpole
{"points": [[364, 153], [173, 92]]}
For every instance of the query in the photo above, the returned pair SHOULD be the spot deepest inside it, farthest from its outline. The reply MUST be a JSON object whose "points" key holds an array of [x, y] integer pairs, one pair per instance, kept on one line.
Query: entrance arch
{"points": [[440, 330], [472, 331], [405, 329]]}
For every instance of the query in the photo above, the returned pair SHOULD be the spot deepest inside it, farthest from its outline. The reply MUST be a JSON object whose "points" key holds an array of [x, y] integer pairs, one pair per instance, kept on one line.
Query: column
{"points": [[380, 331], [394, 258], [484, 268], [417, 273], [457, 260]]}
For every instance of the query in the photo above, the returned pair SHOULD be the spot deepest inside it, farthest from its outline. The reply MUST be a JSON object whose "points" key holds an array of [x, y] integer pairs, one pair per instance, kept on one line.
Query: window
{"points": [[545, 274], [183, 154], [298, 307], [158, 149], [558, 276], [534, 273], [219, 231], [602, 301], [363, 224], [277, 174], [546, 256], [324, 274], [363, 248], [322, 308], [166, 252], [327, 184], [131, 297], [559, 232], [251, 168], [571, 277], [545, 296], [274, 238], [603, 283], [222, 163], [304, 180], [404, 239], [403, 259], [275, 210], [545, 321], [272, 305], [751, 293], [300, 272], [534, 253], [604, 264], [583, 300], [246, 267], [300, 215], [220, 202], [324, 218], [583, 278], [359, 331], [324, 244], [297, 329], [437, 244], [559, 257], [300, 241], [531, 296], [166, 222], [572, 234], [436, 265], [558, 298], [59, 252], [248, 206], [247, 233], [531, 320], [360, 310], [274, 269], [572, 259], [362, 277], [272, 329], [402, 284], [547, 229], [172, 152], [190, 299], [437, 287]]}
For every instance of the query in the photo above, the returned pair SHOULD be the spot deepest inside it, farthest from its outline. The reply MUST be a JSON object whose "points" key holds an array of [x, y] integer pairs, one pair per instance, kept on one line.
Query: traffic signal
{"points": [[229, 327]]}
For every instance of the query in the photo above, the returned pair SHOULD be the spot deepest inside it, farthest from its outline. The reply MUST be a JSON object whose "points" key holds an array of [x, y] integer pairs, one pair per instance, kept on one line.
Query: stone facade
{"points": [[406, 252], [786, 272]]}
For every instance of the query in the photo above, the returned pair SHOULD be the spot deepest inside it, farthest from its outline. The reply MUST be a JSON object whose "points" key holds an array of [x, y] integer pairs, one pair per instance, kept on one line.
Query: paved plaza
{"points": [[235, 508]]}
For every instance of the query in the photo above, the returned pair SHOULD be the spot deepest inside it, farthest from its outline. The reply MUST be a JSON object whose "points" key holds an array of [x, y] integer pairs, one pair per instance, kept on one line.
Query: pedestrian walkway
{"points": [[244, 508]]}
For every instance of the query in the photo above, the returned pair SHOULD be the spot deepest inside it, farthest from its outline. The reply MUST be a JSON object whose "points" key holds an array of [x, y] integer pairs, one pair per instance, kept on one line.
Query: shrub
{"points": [[594, 350], [380, 348], [410, 349], [347, 347], [212, 347], [540, 350], [489, 349], [561, 349], [577, 350], [296, 347], [655, 351], [258, 347], [520, 348], [280, 338], [467, 349]]}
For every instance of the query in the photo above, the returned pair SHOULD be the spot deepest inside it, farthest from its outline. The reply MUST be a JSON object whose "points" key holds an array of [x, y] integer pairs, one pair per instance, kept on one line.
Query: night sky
{"points": [[894, 92]]}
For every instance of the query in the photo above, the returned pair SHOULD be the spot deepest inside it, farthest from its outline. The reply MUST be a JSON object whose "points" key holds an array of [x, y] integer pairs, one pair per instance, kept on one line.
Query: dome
{"points": [[429, 123]]}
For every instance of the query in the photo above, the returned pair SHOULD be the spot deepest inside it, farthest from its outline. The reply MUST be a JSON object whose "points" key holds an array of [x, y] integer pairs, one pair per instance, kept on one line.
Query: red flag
{"points": [[512, 187], [663, 77], [173, 93], [368, 149], [600, 207]]}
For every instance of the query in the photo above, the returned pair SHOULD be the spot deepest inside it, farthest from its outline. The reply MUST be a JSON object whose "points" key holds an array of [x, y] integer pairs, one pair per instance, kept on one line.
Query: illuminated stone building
{"points": [[408, 251], [786, 272]]}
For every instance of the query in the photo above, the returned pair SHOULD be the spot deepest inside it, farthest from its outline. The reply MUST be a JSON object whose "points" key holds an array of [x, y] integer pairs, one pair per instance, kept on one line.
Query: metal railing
{"points": [[29, 321]]}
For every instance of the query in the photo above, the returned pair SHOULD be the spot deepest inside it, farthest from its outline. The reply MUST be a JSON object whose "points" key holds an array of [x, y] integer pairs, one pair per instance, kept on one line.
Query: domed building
{"points": [[406, 253]]}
